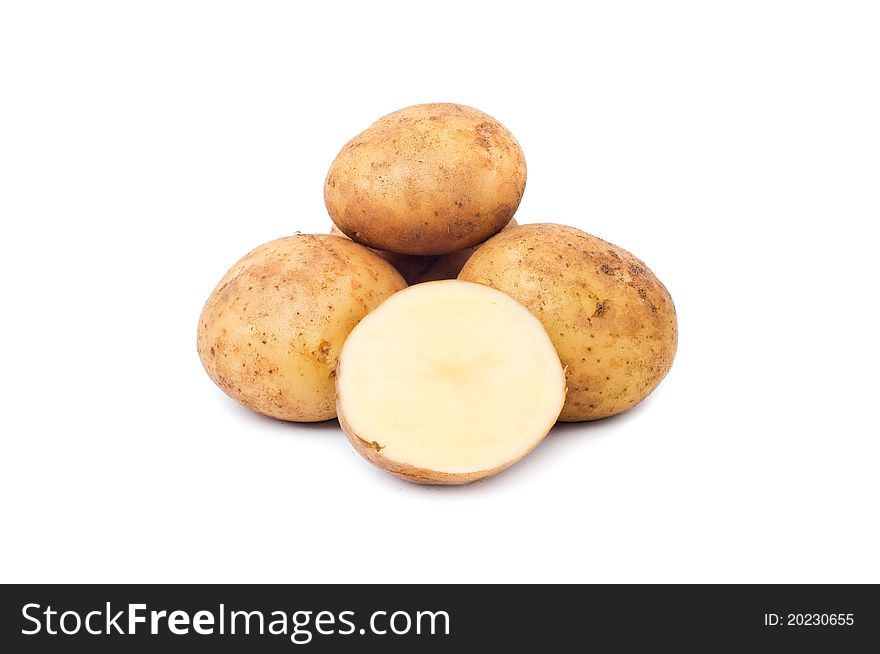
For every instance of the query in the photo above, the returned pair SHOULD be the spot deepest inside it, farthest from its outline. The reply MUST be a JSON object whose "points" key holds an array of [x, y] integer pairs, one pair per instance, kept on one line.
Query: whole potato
{"points": [[270, 333], [417, 269], [428, 180], [613, 323]]}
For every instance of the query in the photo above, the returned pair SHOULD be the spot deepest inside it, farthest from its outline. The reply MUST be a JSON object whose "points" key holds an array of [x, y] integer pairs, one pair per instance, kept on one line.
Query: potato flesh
{"points": [[451, 377]]}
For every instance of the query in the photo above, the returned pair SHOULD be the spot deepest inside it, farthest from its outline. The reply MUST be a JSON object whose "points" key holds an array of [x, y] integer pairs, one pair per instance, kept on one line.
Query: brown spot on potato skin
{"points": [[485, 133], [303, 295], [586, 290], [426, 180]]}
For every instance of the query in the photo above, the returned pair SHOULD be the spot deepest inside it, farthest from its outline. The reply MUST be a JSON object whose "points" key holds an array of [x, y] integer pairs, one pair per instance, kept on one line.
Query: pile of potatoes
{"points": [[445, 337]]}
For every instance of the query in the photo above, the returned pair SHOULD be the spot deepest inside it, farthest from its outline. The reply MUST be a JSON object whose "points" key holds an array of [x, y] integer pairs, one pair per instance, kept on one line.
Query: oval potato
{"points": [[271, 332], [613, 323], [427, 180]]}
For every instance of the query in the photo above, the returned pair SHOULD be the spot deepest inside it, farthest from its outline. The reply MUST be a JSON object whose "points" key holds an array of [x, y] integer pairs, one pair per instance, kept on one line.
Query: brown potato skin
{"points": [[270, 333], [426, 180], [612, 321], [417, 269]]}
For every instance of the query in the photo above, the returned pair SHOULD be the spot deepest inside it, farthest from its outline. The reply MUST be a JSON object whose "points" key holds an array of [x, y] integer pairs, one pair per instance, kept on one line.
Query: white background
{"points": [[735, 147]]}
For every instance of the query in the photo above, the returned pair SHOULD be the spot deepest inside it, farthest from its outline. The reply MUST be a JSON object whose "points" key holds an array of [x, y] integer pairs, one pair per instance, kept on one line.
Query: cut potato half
{"points": [[448, 382]]}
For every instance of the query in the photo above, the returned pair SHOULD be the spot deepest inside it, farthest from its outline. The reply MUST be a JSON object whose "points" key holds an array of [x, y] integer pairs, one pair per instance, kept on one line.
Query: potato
{"points": [[428, 180], [613, 323], [448, 382], [417, 269], [271, 331]]}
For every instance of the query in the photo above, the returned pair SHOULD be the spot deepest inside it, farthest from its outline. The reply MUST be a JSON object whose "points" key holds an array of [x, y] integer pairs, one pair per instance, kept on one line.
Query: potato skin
{"points": [[270, 333], [612, 321], [417, 269], [428, 180]]}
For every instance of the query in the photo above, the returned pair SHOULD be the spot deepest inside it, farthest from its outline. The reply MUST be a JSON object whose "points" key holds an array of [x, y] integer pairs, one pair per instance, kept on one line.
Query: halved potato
{"points": [[448, 382]]}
